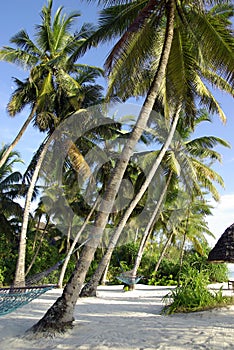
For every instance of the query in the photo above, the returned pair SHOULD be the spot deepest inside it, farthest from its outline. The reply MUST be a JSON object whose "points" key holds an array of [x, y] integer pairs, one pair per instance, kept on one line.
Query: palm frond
{"points": [[217, 43], [202, 144], [17, 56]]}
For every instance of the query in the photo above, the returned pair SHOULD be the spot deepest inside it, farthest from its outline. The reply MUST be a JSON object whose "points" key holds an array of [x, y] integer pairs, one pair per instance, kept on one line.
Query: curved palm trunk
{"points": [[69, 231], [91, 287], [149, 225], [163, 252], [70, 252], [60, 316], [20, 267], [104, 276], [38, 248], [182, 249], [181, 258], [18, 137], [37, 230]]}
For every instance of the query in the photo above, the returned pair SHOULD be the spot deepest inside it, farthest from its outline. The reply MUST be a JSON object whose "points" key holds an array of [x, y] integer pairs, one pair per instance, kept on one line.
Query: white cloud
{"points": [[223, 217]]}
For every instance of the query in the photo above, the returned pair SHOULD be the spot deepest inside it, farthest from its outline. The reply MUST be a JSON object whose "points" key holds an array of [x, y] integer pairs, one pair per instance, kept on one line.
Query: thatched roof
{"points": [[223, 251]]}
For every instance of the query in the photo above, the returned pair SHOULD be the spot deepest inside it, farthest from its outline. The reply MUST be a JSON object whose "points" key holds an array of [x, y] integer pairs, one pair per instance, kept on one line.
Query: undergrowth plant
{"points": [[193, 294]]}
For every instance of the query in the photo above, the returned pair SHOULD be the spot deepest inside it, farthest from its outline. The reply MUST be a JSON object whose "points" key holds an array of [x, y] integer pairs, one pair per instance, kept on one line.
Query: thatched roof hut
{"points": [[223, 251]]}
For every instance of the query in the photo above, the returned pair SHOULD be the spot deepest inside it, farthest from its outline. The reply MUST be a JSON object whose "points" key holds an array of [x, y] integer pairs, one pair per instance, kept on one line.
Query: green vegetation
{"points": [[168, 273], [194, 295]]}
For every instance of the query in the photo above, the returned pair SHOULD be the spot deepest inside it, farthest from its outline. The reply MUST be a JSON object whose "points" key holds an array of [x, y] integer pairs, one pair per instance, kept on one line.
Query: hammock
{"points": [[39, 276], [128, 278], [13, 298]]}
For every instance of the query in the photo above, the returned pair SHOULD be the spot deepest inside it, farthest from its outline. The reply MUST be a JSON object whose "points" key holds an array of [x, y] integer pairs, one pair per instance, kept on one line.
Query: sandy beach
{"points": [[123, 320]]}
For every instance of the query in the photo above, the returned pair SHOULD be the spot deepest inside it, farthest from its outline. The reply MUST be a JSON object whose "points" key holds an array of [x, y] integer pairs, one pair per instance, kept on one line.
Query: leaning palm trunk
{"points": [[163, 252], [69, 231], [20, 267], [182, 249], [104, 276], [18, 137], [181, 258], [70, 252], [36, 235], [91, 287], [149, 225], [60, 316], [38, 248]]}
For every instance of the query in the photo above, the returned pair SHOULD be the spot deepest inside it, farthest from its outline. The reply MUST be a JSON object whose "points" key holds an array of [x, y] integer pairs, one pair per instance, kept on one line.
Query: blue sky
{"points": [[24, 14]]}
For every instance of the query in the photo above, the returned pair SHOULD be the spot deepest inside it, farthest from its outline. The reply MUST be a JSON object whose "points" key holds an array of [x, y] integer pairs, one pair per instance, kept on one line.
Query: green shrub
{"points": [[162, 281], [193, 294], [216, 272]]}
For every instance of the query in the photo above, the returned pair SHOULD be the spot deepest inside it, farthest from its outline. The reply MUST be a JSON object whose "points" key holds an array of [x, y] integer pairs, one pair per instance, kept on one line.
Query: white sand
{"points": [[123, 320]]}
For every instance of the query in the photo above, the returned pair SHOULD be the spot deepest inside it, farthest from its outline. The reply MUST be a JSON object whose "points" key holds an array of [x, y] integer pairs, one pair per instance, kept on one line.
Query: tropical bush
{"points": [[215, 272], [193, 294]]}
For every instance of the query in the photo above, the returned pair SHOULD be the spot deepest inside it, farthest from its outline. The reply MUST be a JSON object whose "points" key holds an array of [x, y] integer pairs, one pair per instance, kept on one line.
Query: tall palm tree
{"points": [[185, 84], [136, 29], [56, 87], [181, 163], [51, 62], [68, 300]]}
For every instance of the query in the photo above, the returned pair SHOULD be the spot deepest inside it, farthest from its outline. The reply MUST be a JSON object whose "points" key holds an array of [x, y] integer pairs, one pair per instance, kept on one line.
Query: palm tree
{"points": [[207, 96], [68, 300], [159, 17], [40, 233], [193, 175], [56, 87], [51, 61], [20, 267], [190, 223], [10, 190], [186, 85]]}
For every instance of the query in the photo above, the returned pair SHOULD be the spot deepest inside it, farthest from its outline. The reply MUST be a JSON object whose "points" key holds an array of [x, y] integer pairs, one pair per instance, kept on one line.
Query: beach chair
{"points": [[231, 284]]}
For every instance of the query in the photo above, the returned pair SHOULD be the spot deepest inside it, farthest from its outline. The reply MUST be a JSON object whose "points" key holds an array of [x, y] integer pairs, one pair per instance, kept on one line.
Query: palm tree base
{"points": [[54, 322], [88, 291]]}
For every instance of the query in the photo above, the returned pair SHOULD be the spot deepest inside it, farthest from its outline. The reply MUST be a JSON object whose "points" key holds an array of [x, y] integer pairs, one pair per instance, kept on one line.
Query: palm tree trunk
{"points": [[18, 137], [136, 235], [68, 256], [69, 231], [104, 276], [182, 248], [60, 315], [36, 234], [163, 252], [20, 267], [90, 288], [38, 248], [181, 258], [149, 225]]}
